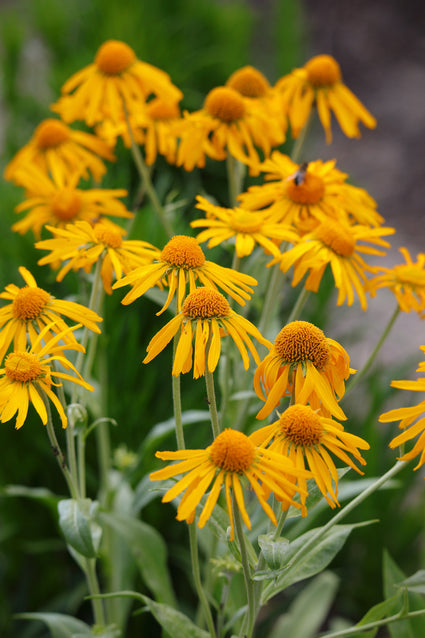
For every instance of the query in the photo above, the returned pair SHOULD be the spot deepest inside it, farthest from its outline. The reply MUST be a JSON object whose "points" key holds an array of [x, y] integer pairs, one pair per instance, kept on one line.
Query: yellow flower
{"points": [[231, 460], [308, 365], [306, 194], [306, 437], [227, 123], [59, 201], [29, 375], [59, 150], [81, 245], [31, 309], [114, 81], [412, 419], [205, 316], [245, 227], [182, 261], [319, 83], [406, 281], [336, 244]]}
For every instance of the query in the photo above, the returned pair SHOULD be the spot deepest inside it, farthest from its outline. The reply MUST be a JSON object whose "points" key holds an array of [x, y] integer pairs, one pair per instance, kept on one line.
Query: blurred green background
{"points": [[199, 43]]}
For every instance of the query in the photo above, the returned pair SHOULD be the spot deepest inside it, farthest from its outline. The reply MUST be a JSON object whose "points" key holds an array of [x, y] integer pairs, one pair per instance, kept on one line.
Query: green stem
{"points": [[209, 382], [146, 179], [93, 584], [177, 404], [197, 580], [235, 174], [299, 142], [273, 285], [249, 583], [299, 304], [373, 355], [280, 523], [372, 625]]}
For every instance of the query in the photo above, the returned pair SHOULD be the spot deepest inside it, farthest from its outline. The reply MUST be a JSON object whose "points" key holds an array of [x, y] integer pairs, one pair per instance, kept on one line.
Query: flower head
{"points": [[58, 150], [81, 245], [406, 281], [319, 83], [183, 262], [28, 376], [307, 194], [31, 309], [308, 365], [115, 81], [231, 460], [59, 201], [205, 316], [412, 420], [247, 228], [338, 245], [306, 437]]}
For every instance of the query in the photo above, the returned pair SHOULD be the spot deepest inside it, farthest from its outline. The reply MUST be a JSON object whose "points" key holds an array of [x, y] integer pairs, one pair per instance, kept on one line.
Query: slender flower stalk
{"points": [[248, 626]]}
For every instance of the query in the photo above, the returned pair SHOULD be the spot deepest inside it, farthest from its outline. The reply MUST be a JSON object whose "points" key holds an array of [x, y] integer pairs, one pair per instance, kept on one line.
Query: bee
{"points": [[299, 175]]}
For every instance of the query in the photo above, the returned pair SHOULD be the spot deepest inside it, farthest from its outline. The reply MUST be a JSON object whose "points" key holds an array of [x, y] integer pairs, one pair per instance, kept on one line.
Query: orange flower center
{"points": [[183, 252], [224, 103], [205, 303], [301, 425], [338, 238], [29, 303], [66, 204], [302, 341], [309, 190], [107, 236], [245, 221], [232, 451], [159, 110], [323, 70], [22, 367], [114, 57], [51, 133], [249, 82]]}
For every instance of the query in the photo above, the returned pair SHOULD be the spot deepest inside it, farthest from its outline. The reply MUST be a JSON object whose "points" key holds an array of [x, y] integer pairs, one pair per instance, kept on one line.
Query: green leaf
{"points": [[275, 552], [317, 597], [163, 429], [60, 625], [415, 583], [311, 562], [149, 551], [383, 609], [408, 627], [78, 525]]}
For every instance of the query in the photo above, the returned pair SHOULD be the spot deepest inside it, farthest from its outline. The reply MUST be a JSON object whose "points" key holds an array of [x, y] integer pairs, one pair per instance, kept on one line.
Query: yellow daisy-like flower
{"points": [[231, 460], [319, 84], [307, 365], [306, 194], [182, 262], [227, 123], [412, 419], [28, 375], [82, 245], [114, 81], [306, 437], [406, 281], [245, 227], [31, 309], [338, 245], [205, 316], [58, 150], [59, 201]]}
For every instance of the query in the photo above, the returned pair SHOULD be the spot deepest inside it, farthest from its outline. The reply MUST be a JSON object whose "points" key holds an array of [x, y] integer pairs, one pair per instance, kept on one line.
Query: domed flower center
{"points": [[301, 425], [22, 367], [205, 303], [66, 204], [245, 221], [159, 110], [51, 133], [107, 236], [410, 274], [249, 82], [232, 451], [337, 237], [309, 190], [225, 104], [183, 252], [302, 341], [323, 70], [114, 57], [30, 303]]}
